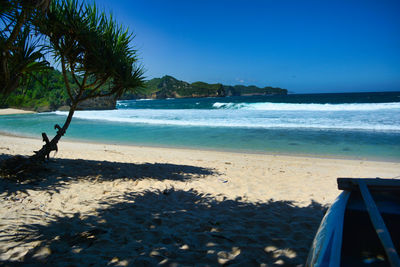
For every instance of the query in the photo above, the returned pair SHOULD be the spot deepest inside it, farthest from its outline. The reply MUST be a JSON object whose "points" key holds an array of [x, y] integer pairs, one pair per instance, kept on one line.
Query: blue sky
{"points": [[304, 46]]}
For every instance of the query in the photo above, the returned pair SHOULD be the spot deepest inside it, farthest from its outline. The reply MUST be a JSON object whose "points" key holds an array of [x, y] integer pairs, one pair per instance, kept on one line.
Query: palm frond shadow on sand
{"points": [[57, 172], [174, 227]]}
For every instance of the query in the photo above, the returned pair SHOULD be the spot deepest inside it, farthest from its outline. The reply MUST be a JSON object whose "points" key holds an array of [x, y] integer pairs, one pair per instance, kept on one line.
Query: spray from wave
{"points": [[307, 107]]}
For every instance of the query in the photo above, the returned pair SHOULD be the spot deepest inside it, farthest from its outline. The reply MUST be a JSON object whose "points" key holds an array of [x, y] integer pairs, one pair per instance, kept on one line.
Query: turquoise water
{"points": [[364, 126]]}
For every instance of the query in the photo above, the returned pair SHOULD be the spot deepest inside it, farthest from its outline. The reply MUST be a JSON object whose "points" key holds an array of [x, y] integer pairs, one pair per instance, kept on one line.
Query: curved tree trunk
{"points": [[44, 152]]}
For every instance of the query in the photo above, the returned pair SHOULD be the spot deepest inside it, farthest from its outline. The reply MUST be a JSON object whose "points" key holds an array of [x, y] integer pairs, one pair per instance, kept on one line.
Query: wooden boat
{"points": [[362, 227]]}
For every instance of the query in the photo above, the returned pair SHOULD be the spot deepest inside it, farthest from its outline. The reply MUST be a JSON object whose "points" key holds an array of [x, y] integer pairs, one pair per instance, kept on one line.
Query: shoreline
{"points": [[299, 155]]}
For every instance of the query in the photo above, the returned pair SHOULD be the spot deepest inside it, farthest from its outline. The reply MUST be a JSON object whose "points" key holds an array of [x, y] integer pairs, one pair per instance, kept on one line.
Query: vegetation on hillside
{"points": [[42, 91], [169, 87], [239, 90]]}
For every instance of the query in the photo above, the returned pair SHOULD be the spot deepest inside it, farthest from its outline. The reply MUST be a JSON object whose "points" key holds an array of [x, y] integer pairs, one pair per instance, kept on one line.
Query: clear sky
{"points": [[304, 46]]}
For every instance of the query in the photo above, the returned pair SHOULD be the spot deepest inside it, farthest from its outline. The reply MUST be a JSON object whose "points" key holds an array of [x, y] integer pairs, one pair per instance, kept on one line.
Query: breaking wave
{"points": [[384, 120], [308, 107]]}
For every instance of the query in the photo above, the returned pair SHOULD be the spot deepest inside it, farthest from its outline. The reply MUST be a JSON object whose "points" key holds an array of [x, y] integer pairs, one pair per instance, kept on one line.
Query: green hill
{"points": [[242, 90], [169, 87]]}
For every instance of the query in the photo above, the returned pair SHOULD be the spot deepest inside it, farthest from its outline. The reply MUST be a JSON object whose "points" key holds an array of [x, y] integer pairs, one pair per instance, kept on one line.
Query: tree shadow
{"points": [[57, 172], [173, 228]]}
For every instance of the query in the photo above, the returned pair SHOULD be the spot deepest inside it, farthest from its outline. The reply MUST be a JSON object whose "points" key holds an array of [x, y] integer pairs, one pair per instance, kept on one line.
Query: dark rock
{"points": [[98, 103], [63, 108]]}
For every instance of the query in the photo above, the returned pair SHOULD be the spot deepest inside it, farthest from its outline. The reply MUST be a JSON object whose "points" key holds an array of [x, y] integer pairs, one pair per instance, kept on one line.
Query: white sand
{"points": [[125, 205], [10, 111]]}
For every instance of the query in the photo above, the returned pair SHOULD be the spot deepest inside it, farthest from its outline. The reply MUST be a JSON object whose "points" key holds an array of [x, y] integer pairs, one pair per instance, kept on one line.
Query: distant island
{"points": [[170, 87], [46, 92]]}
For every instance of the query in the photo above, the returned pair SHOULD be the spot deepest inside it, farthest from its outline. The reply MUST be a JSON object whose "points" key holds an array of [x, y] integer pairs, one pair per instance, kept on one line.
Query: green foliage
{"points": [[204, 89], [93, 49], [21, 51], [42, 91]]}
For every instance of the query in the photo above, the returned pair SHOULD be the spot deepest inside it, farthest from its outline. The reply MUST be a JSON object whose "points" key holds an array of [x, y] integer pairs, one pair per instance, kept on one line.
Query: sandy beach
{"points": [[127, 205], [10, 111]]}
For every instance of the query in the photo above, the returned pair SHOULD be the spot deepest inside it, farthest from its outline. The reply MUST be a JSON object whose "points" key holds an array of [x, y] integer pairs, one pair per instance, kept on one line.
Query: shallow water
{"points": [[337, 125]]}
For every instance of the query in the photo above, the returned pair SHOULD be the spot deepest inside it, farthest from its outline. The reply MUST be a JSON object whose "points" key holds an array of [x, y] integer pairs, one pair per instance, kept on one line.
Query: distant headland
{"points": [[170, 87], [46, 92]]}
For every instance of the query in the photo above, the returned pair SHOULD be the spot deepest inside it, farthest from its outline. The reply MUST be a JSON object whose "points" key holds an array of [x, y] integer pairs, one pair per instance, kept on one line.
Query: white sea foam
{"points": [[384, 120], [307, 107]]}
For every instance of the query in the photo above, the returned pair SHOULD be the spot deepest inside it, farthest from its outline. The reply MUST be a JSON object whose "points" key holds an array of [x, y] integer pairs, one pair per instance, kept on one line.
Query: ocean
{"points": [[340, 125]]}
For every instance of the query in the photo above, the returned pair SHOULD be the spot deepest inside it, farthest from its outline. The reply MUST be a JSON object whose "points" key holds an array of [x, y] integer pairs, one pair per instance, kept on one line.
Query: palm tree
{"points": [[20, 52], [92, 48]]}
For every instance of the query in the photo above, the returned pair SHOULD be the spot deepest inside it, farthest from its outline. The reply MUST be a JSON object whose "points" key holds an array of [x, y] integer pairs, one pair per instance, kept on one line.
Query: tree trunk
{"points": [[52, 145]]}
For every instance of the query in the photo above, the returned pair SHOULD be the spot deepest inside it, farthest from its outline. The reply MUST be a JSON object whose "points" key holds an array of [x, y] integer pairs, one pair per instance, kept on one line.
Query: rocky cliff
{"points": [[98, 103]]}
